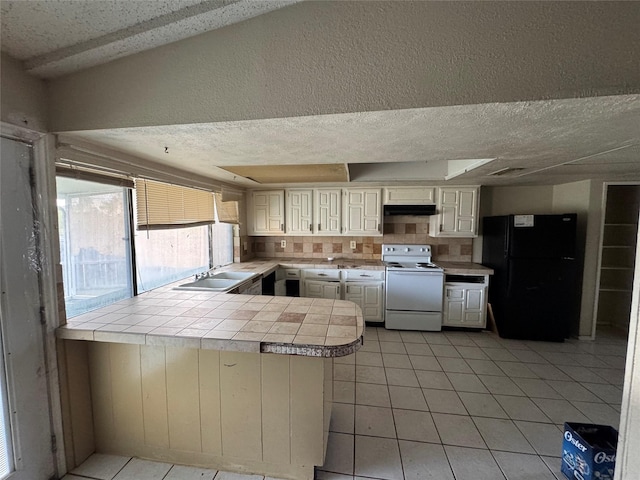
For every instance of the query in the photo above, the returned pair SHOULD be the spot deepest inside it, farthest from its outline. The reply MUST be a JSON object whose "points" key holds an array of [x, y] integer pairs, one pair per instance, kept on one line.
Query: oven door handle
{"points": [[395, 272]]}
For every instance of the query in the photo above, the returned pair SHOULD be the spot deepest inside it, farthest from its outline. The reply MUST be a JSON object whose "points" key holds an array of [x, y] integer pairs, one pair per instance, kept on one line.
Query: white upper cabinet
{"points": [[266, 212], [362, 211], [409, 195], [299, 210], [457, 213], [328, 211]]}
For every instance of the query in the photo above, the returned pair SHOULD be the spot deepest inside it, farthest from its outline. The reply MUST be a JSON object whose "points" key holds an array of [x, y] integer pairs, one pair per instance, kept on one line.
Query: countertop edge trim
{"points": [[309, 350]]}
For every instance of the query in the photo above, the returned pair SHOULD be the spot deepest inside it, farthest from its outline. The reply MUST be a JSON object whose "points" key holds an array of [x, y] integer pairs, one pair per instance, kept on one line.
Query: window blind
{"points": [[162, 205], [227, 210], [94, 176]]}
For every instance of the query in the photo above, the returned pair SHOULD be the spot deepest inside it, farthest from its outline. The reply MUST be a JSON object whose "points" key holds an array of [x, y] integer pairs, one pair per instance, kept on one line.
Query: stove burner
{"points": [[426, 265]]}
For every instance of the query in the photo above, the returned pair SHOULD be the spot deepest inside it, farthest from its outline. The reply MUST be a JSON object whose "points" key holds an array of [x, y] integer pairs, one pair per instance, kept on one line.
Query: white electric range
{"points": [[414, 288]]}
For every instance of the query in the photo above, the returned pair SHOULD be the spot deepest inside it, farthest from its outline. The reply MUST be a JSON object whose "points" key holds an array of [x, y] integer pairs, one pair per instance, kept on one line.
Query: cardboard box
{"points": [[589, 451]]}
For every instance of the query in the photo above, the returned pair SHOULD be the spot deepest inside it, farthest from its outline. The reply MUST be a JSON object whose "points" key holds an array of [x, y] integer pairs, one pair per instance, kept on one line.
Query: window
{"points": [[95, 251], [164, 256], [222, 244], [95, 248]]}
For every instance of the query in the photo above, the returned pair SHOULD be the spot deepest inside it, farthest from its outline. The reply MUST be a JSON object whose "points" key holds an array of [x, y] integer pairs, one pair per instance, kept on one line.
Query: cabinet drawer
{"points": [[284, 273], [354, 275], [321, 274]]}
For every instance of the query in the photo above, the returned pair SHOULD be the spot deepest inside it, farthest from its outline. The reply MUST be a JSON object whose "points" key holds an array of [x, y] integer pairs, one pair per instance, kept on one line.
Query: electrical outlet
{"points": [[283, 243], [352, 244]]}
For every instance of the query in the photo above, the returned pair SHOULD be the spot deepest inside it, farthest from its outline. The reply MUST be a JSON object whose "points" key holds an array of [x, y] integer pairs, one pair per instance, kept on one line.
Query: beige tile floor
{"points": [[450, 405]]}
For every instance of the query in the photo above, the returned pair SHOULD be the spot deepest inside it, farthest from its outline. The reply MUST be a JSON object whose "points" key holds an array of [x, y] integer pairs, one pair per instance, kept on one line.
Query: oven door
{"points": [[414, 291]]}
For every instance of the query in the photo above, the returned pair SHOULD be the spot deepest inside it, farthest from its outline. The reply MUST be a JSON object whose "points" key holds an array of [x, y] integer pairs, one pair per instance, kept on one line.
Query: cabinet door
{"points": [[466, 217], [267, 208], [474, 307], [320, 289], [363, 212], [457, 213], [369, 297], [299, 210], [409, 195], [372, 304], [465, 306], [328, 211], [354, 292], [453, 306]]}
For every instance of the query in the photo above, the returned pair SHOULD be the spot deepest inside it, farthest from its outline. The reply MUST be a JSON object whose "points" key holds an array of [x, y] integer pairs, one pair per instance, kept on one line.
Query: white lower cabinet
{"points": [[321, 283], [369, 296], [465, 305], [363, 287], [322, 289]]}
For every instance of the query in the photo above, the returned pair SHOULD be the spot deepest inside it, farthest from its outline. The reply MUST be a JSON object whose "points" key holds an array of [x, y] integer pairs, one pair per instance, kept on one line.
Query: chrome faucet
{"points": [[207, 274]]}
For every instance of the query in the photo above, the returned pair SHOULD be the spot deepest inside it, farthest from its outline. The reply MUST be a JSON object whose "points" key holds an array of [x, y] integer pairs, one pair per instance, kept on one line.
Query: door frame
{"points": [[45, 211], [596, 293]]}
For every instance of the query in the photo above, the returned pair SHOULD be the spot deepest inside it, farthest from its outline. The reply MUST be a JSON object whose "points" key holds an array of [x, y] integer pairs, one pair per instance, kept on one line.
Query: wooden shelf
{"points": [[620, 235]]}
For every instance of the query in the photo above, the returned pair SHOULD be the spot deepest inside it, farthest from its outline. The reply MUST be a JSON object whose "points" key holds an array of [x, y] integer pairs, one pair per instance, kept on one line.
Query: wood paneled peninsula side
{"points": [[233, 382]]}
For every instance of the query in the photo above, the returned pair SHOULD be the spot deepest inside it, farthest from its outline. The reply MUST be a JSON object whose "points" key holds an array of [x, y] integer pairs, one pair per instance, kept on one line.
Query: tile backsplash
{"points": [[397, 229]]}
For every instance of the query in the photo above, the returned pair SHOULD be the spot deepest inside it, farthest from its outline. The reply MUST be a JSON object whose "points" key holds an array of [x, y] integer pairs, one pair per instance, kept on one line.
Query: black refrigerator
{"points": [[535, 290]]}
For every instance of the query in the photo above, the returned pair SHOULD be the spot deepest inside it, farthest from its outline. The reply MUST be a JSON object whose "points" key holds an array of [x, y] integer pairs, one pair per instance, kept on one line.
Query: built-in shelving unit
{"points": [[618, 255]]}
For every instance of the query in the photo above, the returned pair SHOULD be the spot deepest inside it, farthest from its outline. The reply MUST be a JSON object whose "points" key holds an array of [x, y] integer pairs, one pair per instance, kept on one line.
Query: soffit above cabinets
{"points": [[313, 173], [436, 170], [547, 141]]}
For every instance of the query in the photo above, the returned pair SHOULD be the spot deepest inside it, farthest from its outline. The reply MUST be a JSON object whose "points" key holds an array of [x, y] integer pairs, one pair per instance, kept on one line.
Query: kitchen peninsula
{"points": [[234, 382]]}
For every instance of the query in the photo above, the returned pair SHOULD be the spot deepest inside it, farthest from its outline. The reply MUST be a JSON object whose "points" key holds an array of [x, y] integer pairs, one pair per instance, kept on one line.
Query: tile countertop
{"points": [[312, 327], [253, 323], [465, 268], [266, 266]]}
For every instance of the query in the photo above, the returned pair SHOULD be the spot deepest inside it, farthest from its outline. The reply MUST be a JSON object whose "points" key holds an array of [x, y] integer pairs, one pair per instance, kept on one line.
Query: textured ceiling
{"points": [[62, 36], [359, 57], [597, 137]]}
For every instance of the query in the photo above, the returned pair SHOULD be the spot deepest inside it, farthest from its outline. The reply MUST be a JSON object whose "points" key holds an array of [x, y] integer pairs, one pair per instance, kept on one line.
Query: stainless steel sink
{"points": [[233, 275], [218, 282]]}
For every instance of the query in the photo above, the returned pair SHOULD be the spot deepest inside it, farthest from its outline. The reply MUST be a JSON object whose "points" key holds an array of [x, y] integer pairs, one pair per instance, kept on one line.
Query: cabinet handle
{"points": [[322, 274], [440, 227], [379, 228], [282, 227], [311, 227], [318, 227], [347, 289], [363, 275]]}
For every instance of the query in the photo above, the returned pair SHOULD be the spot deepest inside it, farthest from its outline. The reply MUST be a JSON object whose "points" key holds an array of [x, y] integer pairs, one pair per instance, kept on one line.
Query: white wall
{"points": [[23, 97], [585, 199], [511, 200], [521, 200], [335, 57]]}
